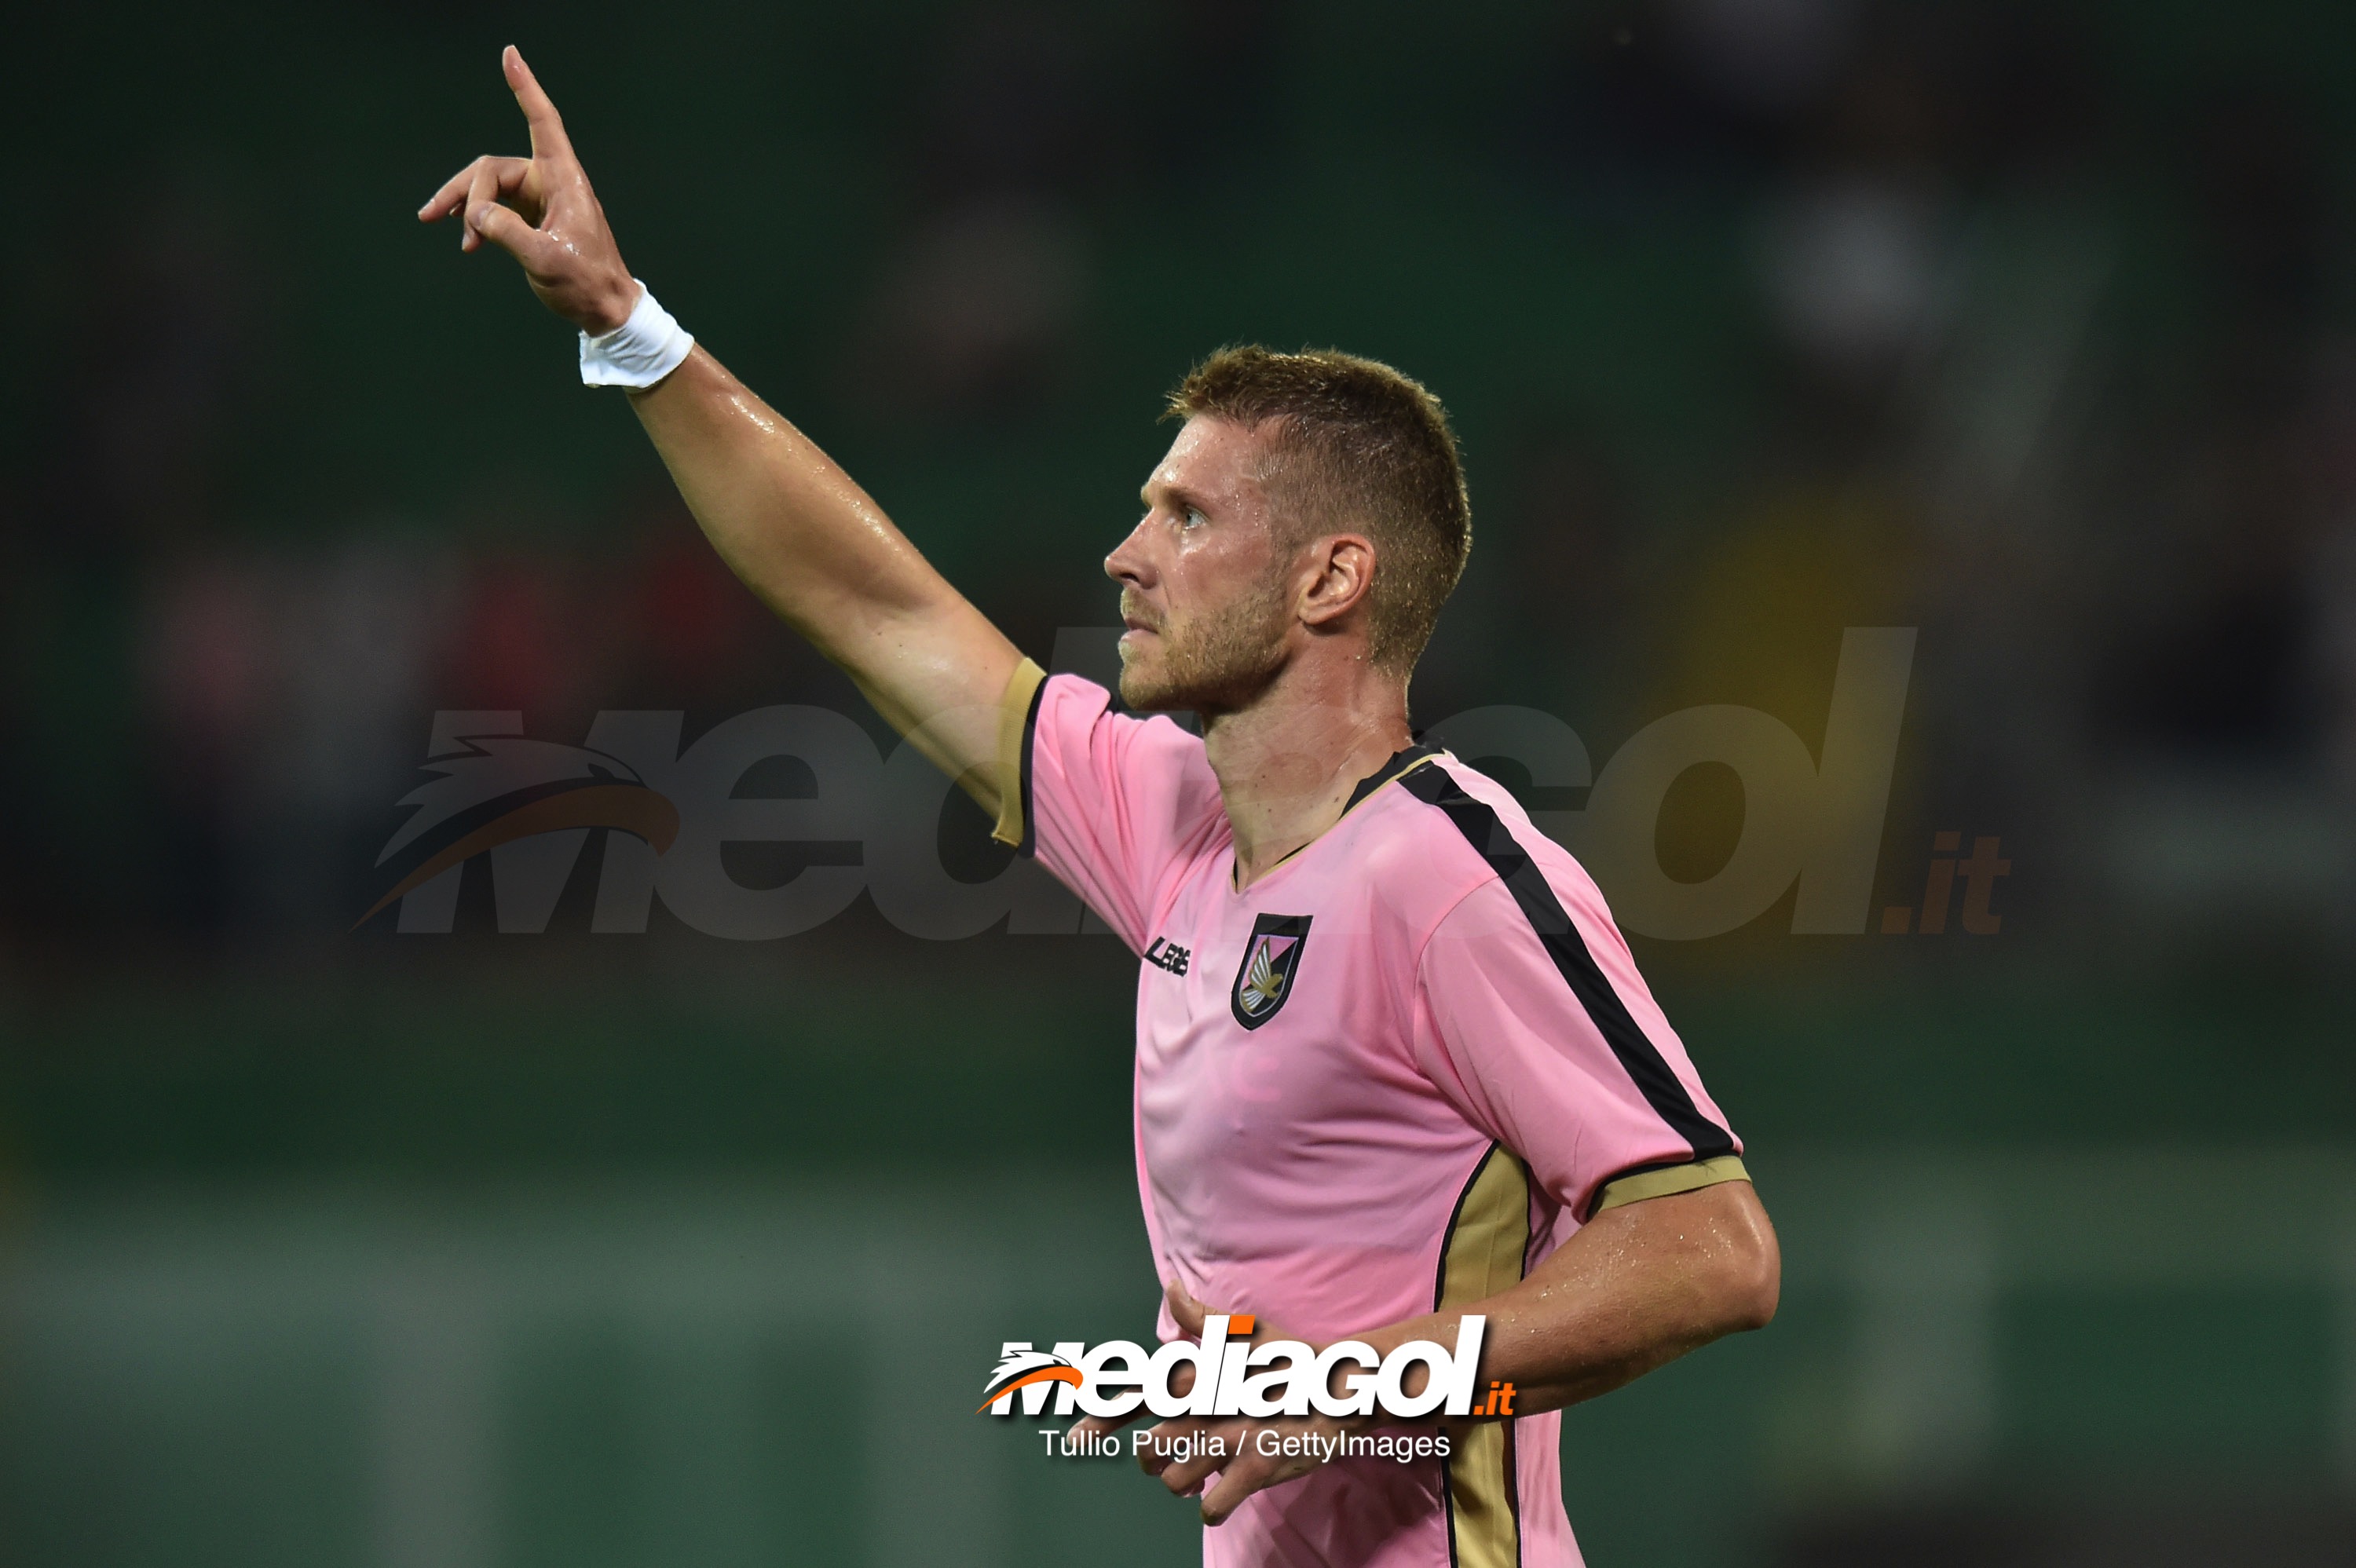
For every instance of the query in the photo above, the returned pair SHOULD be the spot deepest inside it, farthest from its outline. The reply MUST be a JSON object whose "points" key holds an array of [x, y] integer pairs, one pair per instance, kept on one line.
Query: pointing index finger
{"points": [[548, 138]]}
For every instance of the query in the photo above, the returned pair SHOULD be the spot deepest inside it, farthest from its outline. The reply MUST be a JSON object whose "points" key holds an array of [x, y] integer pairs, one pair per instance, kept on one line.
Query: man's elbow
{"points": [[1749, 1278], [1749, 1294]]}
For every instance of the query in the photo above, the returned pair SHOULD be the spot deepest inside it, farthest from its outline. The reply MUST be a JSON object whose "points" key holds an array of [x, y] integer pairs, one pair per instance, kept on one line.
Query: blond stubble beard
{"points": [[1216, 663]]}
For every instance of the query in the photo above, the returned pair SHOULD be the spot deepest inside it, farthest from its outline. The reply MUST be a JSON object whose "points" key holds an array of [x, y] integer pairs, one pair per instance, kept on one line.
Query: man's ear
{"points": [[1341, 574]]}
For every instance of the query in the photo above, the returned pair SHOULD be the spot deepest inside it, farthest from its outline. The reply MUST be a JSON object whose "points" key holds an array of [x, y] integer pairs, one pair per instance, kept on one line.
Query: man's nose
{"points": [[1127, 563]]}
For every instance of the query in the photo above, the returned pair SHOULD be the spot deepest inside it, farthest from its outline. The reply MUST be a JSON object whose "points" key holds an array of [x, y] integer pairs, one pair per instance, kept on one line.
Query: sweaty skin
{"points": [[1265, 638]]}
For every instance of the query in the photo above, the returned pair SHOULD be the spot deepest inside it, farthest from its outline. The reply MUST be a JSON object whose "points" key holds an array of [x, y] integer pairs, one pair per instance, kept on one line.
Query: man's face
{"points": [[1202, 590]]}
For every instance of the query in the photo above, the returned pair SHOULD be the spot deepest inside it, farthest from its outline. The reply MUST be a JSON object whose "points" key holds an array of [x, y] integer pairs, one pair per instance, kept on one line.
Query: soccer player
{"points": [[1394, 1064]]}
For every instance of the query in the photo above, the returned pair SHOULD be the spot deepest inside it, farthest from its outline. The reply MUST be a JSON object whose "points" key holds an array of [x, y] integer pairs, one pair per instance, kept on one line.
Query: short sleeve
{"points": [[1532, 1019], [1114, 806]]}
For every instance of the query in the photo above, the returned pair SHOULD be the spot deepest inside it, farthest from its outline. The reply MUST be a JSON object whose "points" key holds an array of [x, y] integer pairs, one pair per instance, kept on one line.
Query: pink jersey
{"points": [[1389, 1076]]}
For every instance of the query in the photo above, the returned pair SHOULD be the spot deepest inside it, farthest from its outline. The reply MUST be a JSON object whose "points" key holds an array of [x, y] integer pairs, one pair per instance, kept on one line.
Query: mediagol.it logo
{"points": [[676, 818], [1234, 1377]]}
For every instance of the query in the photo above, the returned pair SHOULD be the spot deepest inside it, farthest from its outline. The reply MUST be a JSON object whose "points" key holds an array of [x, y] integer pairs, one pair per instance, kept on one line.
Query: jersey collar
{"points": [[1414, 756], [1401, 762]]}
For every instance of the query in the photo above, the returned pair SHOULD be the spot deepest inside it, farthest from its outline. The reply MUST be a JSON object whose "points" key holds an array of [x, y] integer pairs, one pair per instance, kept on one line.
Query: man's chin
{"points": [[1142, 693], [1149, 686], [1160, 677], [1149, 694]]}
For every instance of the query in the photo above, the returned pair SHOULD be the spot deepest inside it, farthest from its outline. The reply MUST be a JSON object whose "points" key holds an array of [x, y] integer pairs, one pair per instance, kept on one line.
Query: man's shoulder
{"points": [[1407, 843], [1450, 830], [1456, 804], [1151, 745]]}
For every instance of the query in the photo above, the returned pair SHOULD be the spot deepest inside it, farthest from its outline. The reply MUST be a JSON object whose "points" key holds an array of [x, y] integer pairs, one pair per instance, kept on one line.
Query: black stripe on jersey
{"points": [[1645, 1169], [1523, 878], [1401, 762], [1030, 845]]}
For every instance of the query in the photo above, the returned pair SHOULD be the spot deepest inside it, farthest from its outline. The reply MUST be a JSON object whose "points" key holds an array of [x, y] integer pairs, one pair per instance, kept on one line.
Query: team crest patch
{"points": [[1270, 959]]}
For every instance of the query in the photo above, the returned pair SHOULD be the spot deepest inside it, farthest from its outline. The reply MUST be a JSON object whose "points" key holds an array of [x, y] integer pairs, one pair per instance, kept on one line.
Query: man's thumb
{"points": [[505, 227], [1188, 1312]]}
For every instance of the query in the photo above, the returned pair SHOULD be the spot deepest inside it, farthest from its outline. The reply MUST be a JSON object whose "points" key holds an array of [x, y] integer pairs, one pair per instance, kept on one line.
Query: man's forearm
{"points": [[818, 549], [790, 522], [1635, 1288]]}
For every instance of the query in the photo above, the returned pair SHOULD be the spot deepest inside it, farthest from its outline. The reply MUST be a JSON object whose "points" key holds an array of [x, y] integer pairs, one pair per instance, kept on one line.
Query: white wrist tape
{"points": [[639, 352]]}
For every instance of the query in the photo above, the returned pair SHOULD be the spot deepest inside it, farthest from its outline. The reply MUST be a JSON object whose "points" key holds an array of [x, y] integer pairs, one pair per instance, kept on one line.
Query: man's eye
{"points": [[1193, 517]]}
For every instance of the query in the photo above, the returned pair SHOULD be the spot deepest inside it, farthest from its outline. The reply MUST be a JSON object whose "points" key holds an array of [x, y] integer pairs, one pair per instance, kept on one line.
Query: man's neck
{"points": [[1286, 765]]}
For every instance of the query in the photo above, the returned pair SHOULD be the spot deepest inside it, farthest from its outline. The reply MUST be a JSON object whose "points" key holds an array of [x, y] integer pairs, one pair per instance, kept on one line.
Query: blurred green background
{"points": [[2028, 325]]}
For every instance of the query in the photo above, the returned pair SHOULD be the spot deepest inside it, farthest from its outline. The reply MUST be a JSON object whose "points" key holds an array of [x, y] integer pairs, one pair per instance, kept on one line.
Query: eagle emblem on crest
{"points": [[1271, 958]]}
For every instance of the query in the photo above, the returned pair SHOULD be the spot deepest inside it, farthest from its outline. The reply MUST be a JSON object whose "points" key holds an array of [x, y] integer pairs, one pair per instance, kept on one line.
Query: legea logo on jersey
{"points": [[1234, 1376], [1272, 956]]}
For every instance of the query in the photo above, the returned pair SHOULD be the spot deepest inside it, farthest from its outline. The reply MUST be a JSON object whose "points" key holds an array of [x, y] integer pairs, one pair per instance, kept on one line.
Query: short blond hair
{"points": [[1359, 447]]}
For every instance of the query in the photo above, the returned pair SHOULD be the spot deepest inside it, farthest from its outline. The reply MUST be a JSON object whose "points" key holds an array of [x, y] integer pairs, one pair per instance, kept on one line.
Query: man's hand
{"points": [[1188, 1314], [784, 516], [541, 211], [1252, 1455], [1241, 1466]]}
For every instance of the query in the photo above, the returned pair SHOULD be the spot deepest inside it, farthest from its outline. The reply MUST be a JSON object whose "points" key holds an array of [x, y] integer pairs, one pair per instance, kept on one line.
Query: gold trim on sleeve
{"points": [[1673, 1180], [1481, 1255], [1013, 713]]}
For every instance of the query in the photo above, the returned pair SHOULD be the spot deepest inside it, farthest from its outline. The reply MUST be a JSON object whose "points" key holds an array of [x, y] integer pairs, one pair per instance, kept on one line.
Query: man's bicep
{"points": [[942, 679], [819, 550], [1715, 1240]]}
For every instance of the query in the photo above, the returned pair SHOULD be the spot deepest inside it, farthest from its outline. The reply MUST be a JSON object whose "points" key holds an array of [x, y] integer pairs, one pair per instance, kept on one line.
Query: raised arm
{"points": [[786, 518]]}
